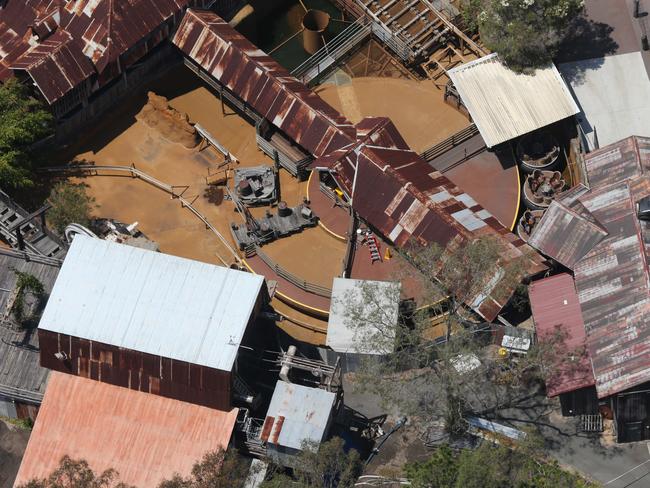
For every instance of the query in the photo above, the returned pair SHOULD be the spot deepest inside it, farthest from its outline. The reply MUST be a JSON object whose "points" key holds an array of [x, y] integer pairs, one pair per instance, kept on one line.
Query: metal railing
{"points": [[449, 143], [30, 256], [293, 279], [136, 173], [348, 259], [21, 395], [323, 59]]}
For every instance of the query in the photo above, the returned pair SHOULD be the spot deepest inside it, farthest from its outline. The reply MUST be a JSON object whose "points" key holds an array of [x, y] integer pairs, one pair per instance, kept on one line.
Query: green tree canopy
{"points": [[70, 204], [324, 466], [525, 33], [217, 469], [73, 473], [491, 466], [23, 121]]}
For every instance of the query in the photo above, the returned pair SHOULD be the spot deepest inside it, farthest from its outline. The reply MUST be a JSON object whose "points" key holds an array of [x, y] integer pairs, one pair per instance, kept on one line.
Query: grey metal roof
{"points": [[614, 95], [504, 104], [376, 307], [152, 302], [296, 414], [21, 376]]}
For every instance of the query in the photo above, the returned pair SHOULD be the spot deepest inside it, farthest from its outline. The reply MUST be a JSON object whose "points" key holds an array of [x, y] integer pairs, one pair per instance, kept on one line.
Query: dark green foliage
{"points": [[70, 205], [217, 469], [327, 466], [439, 471], [77, 474], [525, 33], [491, 466], [26, 283], [23, 121]]}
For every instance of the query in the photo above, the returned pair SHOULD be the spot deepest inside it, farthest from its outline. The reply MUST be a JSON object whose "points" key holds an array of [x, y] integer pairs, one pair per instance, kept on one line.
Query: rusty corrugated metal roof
{"points": [[400, 195], [100, 32], [56, 65], [565, 235], [390, 186], [612, 280], [558, 321], [262, 83], [146, 438]]}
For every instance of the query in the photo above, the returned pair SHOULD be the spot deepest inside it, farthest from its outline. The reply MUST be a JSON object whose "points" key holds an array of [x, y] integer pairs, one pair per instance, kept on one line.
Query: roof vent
{"points": [[643, 208]]}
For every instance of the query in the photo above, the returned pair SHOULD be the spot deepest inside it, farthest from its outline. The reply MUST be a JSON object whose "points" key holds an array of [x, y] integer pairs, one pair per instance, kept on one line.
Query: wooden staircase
{"points": [[19, 229]]}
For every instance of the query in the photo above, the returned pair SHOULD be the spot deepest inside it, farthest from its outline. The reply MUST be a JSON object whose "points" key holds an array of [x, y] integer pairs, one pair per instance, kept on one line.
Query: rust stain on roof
{"points": [[262, 83], [390, 186], [266, 428], [612, 279], [146, 438], [90, 36], [277, 428], [565, 234]]}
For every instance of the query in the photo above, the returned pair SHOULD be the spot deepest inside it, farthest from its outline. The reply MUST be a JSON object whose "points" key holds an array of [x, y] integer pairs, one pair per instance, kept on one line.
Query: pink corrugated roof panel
{"points": [[145, 437], [558, 317]]}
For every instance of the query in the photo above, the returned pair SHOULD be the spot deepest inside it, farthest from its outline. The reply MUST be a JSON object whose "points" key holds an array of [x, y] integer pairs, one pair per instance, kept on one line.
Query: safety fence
{"points": [[323, 59], [449, 143], [30, 256], [136, 173], [293, 279]]}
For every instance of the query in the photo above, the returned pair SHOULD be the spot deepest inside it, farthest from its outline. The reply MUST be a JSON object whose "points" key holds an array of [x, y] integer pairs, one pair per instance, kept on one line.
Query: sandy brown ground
{"points": [[13, 442], [416, 107], [123, 140]]}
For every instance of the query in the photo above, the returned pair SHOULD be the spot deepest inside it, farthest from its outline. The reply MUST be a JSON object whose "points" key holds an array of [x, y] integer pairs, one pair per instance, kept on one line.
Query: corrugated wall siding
{"points": [[136, 370]]}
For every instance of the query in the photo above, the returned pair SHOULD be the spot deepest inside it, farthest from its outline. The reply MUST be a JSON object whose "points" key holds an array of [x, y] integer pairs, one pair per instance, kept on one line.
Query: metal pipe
{"points": [[284, 371]]}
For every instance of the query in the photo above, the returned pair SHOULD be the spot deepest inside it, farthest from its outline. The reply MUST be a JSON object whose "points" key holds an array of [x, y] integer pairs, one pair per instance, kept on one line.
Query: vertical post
{"points": [[21, 241]]}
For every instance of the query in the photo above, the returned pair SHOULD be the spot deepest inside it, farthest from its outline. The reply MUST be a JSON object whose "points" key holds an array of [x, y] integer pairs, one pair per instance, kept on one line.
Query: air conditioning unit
{"points": [[61, 356]]}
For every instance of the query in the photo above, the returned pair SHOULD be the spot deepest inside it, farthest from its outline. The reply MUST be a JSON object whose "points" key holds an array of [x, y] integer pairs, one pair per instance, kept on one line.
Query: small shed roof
{"points": [[297, 414], [377, 304], [565, 235], [152, 302], [557, 315], [146, 438], [505, 104]]}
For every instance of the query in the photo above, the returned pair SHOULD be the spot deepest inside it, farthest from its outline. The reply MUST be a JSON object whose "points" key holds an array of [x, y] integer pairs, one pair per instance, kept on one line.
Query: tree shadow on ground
{"points": [[588, 40]]}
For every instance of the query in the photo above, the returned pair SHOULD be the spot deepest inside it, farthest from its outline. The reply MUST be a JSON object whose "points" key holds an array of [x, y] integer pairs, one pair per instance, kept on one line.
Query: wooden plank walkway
{"points": [[421, 26]]}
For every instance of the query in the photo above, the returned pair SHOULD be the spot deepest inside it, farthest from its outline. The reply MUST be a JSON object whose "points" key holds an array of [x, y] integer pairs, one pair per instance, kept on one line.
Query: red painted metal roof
{"points": [[558, 321], [100, 31], [391, 187], [146, 438]]}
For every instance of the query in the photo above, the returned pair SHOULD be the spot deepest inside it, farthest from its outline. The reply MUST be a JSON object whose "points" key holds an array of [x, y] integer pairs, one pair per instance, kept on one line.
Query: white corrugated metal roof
{"points": [[504, 104], [376, 307], [305, 412], [152, 302]]}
